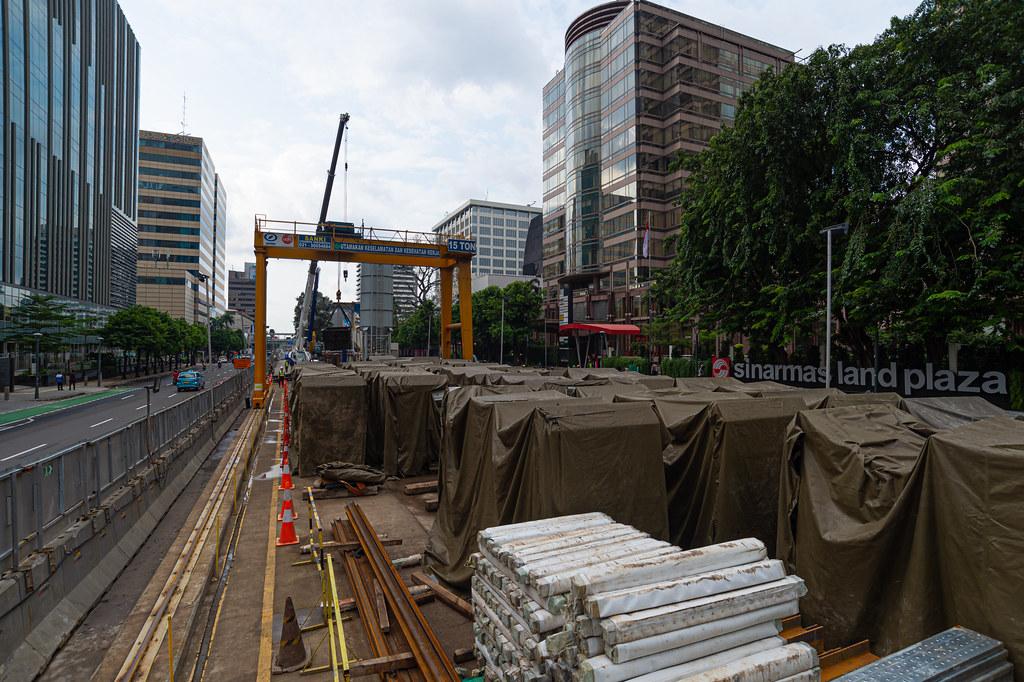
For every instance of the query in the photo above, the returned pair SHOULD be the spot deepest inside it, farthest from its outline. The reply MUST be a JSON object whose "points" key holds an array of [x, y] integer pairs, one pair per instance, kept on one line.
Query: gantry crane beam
{"points": [[315, 242]]}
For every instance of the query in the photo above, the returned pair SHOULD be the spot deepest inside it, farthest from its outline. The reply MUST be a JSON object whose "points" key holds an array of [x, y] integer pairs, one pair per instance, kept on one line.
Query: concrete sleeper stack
{"points": [[585, 599]]}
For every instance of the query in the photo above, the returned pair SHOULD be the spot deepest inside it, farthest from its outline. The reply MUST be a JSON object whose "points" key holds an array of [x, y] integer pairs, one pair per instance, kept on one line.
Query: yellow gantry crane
{"points": [[343, 242]]}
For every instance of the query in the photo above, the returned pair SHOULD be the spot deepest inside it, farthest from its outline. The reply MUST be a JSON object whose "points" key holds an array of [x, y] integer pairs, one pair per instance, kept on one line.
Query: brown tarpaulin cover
{"points": [[841, 399], [722, 465], [329, 421], [537, 455], [404, 435], [966, 541], [843, 513], [951, 412]]}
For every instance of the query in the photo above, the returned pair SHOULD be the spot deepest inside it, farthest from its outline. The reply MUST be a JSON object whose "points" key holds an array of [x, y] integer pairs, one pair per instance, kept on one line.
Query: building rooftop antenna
{"points": [[184, 109]]}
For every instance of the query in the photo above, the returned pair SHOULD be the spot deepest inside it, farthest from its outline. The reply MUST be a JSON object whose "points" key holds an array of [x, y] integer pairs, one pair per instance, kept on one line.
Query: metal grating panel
{"points": [[953, 655]]}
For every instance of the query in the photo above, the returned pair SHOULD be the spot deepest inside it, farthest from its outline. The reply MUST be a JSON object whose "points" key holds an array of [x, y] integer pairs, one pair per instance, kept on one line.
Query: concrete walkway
{"points": [[248, 630]]}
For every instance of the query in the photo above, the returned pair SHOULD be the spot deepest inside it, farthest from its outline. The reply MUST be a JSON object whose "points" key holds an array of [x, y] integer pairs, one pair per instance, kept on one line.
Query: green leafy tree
{"points": [[915, 141], [411, 332], [523, 303], [324, 308], [46, 315]]}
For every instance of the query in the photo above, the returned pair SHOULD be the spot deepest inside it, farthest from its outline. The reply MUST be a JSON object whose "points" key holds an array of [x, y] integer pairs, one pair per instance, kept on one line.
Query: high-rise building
{"points": [[242, 290], [499, 230], [404, 289], [641, 84], [70, 111], [182, 227]]}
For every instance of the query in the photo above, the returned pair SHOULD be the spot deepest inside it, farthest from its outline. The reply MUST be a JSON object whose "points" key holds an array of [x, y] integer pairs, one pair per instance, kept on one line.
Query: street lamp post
{"points": [[841, 227], [203, 277], [39, 364], [501, 347], [99, 362]]}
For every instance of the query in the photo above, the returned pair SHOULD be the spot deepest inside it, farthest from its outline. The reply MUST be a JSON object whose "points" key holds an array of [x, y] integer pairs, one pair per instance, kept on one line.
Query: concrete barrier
{"points": [[53, 589]]}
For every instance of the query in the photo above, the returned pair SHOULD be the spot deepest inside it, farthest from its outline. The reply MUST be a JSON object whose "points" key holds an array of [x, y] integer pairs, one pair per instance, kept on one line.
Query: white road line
{"points": [[172, 396], [128, 396], [24, 452], [140, 407], [21, 422], [101, 423]]}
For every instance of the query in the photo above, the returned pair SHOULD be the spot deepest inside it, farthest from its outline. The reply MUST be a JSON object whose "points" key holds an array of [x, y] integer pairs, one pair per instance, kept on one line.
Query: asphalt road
{"points": [[24, 442]]}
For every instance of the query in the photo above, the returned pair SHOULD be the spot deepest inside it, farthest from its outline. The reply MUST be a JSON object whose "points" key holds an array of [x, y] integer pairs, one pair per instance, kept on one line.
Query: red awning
{"points": [[610, 329]]}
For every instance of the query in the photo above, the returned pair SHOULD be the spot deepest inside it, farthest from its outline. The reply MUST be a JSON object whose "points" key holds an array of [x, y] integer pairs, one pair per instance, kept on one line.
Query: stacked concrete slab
{"points": [[584, 598], [328, 417]]}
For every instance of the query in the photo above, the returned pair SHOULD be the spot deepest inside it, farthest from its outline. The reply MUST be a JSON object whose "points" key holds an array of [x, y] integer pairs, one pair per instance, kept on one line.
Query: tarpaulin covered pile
{"points": [[527, 456], [951, 412], [900, 531], [965, 545], [585, 598], [722, 465], [405, 427], [328, 413]]}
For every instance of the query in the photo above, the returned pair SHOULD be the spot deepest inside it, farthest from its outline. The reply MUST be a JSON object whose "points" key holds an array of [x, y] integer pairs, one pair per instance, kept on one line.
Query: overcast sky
{"points": [[445, 99]]}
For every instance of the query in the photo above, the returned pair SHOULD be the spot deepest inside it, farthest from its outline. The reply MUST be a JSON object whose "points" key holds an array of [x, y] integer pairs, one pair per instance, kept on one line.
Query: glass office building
{"points": [[641, 83], [68, 152], [182, 227]]}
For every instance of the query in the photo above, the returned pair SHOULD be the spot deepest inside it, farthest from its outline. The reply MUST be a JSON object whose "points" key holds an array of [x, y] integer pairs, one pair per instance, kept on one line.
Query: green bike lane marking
{"points": [[57, 405]]}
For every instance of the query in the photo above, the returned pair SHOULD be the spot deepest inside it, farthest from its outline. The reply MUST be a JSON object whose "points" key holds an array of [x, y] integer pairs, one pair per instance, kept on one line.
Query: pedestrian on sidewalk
{"points": [[60, 381], [71, 377]]}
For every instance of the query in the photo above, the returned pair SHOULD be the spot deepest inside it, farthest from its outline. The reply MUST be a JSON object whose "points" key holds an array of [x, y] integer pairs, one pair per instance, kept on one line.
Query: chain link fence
{"points": [[43, 498]]}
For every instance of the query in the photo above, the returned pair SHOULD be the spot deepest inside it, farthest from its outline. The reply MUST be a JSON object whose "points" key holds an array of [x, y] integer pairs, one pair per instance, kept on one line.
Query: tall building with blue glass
{"points": [[68, 153]]}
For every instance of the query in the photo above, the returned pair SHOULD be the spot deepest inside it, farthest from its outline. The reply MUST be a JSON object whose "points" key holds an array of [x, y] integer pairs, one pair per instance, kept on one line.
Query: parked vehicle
{"points": [[190, 380]]}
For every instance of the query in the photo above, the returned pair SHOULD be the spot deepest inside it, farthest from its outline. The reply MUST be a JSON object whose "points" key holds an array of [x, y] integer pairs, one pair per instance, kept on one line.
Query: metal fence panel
{"points": [[49, 493]]}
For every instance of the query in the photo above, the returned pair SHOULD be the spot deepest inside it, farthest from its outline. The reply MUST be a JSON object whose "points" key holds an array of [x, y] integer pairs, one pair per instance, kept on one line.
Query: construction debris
{"points": [[588, 599]]}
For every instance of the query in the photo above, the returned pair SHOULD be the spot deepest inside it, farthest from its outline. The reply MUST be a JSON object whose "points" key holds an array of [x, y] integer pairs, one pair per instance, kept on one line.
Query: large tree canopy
{"points": [[916, 140]]}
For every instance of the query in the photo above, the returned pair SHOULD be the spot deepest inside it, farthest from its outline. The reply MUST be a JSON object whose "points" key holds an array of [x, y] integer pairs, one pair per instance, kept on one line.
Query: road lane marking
{"points": [[128, 396], [24, 422], [101, 423], [140, 407], [24, 452]]}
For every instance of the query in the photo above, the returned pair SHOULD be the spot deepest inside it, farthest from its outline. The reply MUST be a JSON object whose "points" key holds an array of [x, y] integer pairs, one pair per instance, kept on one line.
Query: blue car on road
{"points": [[190, 380]]}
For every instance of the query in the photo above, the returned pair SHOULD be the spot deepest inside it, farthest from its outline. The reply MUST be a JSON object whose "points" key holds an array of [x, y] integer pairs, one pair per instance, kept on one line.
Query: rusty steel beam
{"points": [[431, 658]]}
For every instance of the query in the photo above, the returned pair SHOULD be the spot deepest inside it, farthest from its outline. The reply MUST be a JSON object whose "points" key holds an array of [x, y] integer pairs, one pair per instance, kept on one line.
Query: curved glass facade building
{"points": [[69, 150], [641, 83]]}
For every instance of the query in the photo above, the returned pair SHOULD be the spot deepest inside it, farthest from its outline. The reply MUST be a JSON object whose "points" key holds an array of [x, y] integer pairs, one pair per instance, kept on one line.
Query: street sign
{"points": [[462, 246], [315, 241]]}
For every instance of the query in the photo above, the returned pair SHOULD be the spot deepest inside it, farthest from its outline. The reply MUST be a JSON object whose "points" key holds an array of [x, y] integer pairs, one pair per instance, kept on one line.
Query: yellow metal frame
{"points": [[300, 241]]}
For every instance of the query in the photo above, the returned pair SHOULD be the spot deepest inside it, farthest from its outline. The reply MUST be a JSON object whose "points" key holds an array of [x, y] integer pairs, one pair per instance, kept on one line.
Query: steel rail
{"points": [[142, 650], [433, 661]]}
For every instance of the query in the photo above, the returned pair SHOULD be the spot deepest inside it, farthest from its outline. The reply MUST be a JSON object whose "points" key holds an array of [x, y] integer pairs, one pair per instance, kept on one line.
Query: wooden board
{"points": [[420, 488], [444, 594], [430, 503]]}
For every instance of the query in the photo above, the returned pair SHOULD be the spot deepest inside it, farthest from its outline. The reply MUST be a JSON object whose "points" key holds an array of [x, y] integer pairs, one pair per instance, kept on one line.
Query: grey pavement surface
{"points": [[24, 396], [25, 441]]}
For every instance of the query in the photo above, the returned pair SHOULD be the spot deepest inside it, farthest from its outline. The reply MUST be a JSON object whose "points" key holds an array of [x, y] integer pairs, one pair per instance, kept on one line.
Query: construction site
{"points": [[436, 519], [439, 518]]}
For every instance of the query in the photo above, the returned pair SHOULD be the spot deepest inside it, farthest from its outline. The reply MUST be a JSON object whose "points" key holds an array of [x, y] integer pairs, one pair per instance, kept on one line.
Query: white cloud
{"points": [[444, 97]]}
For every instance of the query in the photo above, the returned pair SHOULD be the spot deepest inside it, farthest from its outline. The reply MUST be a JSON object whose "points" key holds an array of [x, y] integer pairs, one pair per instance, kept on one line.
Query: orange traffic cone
{"points": [[286, 476], [286, 505], [285, 438], [284, 454], [287, 535]]}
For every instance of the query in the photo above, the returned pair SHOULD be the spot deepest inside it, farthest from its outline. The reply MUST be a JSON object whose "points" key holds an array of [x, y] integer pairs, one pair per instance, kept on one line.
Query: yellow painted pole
{"points": [[260, 342], [446, 312], [466, 309]]}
